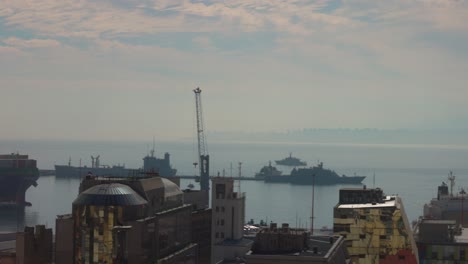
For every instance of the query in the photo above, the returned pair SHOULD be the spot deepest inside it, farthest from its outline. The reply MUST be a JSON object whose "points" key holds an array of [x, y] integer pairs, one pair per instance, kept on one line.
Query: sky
{"points": [[125, 69]]}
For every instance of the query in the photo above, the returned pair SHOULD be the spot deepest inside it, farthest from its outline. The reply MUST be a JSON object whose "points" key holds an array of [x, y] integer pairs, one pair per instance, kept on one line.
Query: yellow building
{"points": [[375, 227]]}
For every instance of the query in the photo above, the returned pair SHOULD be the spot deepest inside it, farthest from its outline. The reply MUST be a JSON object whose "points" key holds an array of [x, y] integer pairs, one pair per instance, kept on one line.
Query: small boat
{"points": [[190, 186]]}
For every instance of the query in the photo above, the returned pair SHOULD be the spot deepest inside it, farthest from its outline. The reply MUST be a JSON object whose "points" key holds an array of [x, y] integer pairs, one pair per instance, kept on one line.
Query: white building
{"points": [[228, 216]]}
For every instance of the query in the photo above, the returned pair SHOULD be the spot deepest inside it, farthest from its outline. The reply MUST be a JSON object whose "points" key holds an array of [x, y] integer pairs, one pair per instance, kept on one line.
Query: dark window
{"points": [[222, 234], [217, 235], [362, 236], [220, 191], [363, 217], [341, 228], [222, 222], [222, 209], [401, 257], [217, 209], [344, 216], [383, 237], [362, 255]]}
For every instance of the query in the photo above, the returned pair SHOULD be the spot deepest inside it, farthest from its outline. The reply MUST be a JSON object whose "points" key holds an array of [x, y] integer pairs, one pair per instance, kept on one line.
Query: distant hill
{"points": [[348, 135]]}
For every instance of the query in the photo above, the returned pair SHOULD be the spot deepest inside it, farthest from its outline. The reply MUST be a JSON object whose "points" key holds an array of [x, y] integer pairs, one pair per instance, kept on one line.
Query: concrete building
{"points": [[228, 217], [33, 246], [441, 241], [141, 220], [375, 227], [285, 245]]}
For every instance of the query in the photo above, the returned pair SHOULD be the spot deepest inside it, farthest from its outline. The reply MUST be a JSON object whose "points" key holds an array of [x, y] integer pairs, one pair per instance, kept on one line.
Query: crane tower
{"points": [[204, 158]]}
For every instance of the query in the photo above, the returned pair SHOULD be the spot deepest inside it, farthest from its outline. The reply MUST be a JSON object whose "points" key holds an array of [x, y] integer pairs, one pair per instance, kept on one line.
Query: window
{"points": [[362, 236], [217, 209], [217, 235], [222, 209], [222, 222], [401, 257], [383, 237], [222, 234]]}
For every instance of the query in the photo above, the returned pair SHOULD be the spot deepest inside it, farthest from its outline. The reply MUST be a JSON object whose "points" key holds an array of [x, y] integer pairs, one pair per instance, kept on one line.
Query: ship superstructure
{"points": [[448, 205], [17, 174]]}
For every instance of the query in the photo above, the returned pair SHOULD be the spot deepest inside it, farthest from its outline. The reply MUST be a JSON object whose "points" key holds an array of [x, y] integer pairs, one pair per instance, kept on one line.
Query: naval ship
{"points": [[17, 174], [314, 175], [291, 161], [162, 166]]}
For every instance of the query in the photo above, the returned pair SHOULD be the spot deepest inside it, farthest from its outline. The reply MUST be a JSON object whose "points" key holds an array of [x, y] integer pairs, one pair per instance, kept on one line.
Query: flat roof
{"points": [[463, 238], [321, 243], [388, 202]]}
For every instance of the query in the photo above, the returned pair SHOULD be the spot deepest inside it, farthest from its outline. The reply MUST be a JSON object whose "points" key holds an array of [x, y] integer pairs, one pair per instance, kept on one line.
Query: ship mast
{"points": [[451, 179], [203, 157]]}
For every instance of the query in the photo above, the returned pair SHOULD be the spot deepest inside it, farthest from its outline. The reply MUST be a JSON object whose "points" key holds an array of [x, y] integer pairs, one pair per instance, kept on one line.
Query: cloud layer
{"points": [[359, 63]]}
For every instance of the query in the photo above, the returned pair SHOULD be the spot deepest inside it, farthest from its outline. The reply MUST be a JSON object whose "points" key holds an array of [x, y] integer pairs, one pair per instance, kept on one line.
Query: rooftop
{"points": [[110, 194], [389, 201]]}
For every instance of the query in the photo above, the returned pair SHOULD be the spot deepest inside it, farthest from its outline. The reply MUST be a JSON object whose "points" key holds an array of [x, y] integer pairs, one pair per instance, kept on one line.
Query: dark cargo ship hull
{"points": [[13, 184], [65, 171]]}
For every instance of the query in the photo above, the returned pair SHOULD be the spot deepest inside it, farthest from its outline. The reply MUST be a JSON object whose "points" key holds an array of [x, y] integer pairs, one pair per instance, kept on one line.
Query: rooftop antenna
{"points": [[451, 179], [312, 212], [152, 150], [69, 161], [240, 176], [373, 180]]}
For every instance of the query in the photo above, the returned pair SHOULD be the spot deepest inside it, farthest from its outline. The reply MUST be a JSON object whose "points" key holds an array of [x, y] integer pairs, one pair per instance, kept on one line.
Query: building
{"points": [[228, 217], [375, 227], [33, 246], [286, 245], [139, 220], [441, 241]]}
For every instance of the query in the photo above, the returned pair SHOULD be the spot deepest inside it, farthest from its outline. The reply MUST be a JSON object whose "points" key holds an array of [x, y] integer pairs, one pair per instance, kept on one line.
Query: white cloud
{"points": [[31, 43]]}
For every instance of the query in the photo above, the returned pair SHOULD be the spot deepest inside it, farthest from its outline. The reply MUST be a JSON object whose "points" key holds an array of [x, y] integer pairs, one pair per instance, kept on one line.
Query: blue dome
{"points": [[115, 194]]}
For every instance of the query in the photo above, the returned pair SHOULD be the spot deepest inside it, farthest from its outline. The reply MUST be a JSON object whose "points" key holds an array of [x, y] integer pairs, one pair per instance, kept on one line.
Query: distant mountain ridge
{"points": [[350, 135]]}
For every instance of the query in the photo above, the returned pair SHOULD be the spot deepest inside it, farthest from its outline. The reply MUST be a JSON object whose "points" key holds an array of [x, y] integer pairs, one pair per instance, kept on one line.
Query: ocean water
{"points": [[411, 171]]}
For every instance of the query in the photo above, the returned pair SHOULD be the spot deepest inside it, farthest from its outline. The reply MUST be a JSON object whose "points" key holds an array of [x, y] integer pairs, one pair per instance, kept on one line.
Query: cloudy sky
{"points": [[125, 69]]}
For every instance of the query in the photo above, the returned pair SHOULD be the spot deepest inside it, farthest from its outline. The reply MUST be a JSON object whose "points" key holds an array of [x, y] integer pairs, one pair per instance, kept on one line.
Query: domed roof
{"points": [[110, 194]]}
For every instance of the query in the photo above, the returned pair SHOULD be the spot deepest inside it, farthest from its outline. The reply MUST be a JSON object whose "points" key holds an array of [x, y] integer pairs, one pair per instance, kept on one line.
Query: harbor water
{"points": [[411, 171]]}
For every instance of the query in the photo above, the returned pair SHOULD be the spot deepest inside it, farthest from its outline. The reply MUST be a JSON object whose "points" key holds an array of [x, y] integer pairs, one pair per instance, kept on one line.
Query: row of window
{"points": [[219, 235], [220, 222], [222, 209]]}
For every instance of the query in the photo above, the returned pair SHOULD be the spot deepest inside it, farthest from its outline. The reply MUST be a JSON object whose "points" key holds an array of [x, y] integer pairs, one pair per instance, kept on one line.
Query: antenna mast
{"points": [[204, 158], [451, 179]]}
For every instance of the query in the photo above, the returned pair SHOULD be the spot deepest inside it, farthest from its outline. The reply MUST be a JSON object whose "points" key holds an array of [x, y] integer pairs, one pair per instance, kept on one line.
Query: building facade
{"points": [[228, 218], [375, 227]]}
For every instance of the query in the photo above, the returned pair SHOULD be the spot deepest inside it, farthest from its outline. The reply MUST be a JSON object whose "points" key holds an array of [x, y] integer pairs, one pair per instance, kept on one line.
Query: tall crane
{"points": [[204, 158]]}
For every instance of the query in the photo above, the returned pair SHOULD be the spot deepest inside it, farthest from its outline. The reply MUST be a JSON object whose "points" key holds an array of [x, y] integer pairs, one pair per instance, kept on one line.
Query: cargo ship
{"points": [[314, 175], [448, 205], [150, 164], [17, 174]]}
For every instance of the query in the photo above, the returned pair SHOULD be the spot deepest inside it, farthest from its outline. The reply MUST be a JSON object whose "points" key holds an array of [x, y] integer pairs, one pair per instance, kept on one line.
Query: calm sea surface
{"points": [[411, 171]]}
